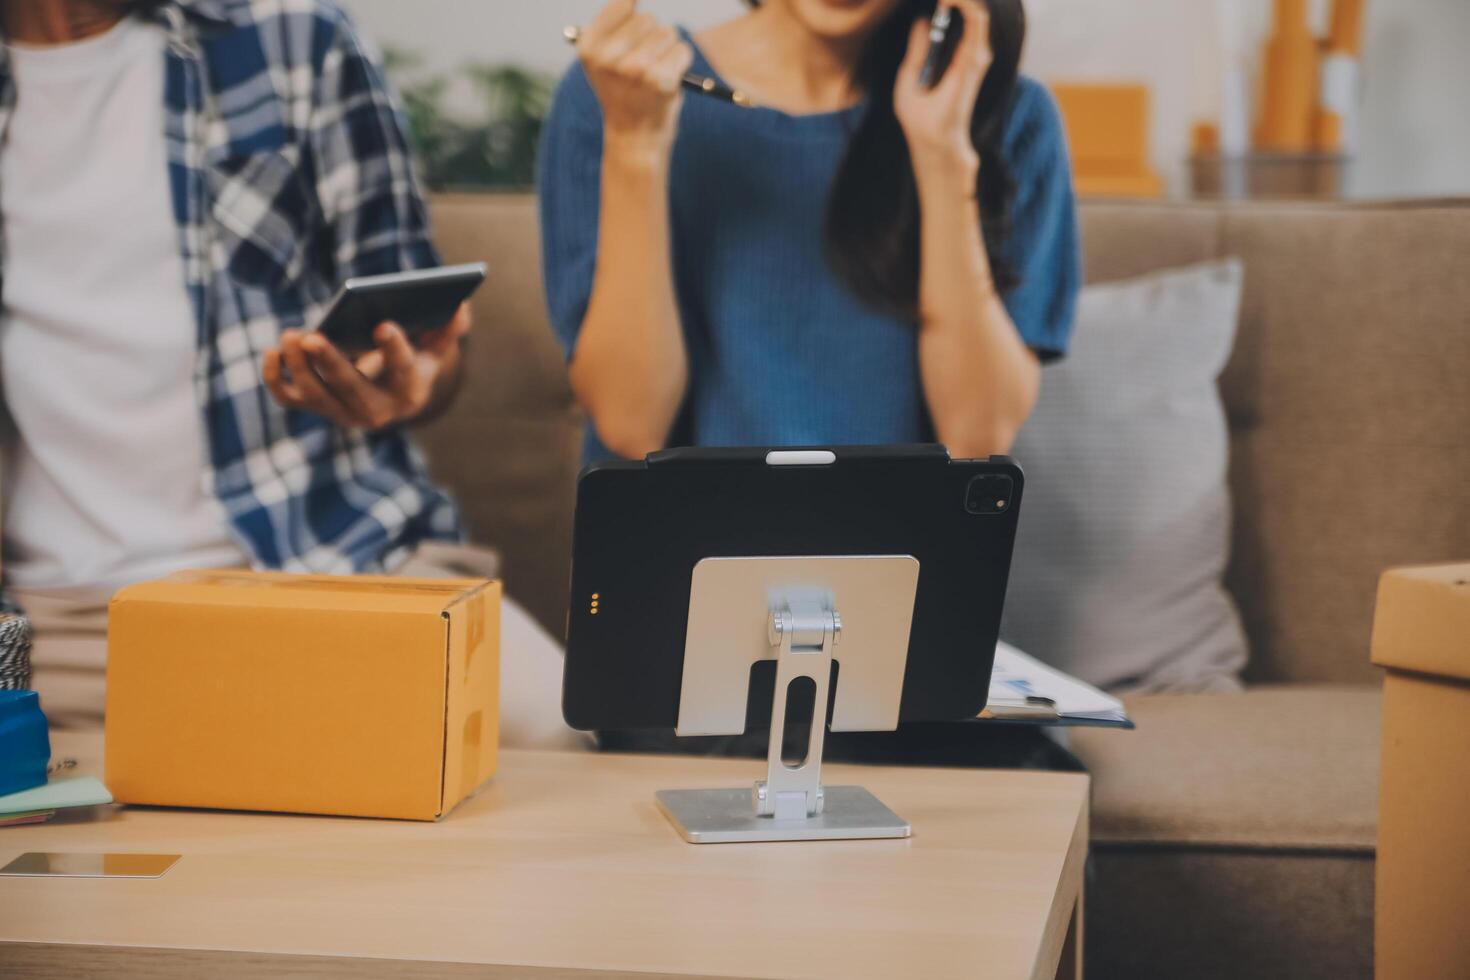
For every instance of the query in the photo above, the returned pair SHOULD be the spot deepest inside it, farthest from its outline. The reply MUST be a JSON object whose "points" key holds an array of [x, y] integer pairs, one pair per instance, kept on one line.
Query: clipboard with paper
{"points": [[1024, 690]]}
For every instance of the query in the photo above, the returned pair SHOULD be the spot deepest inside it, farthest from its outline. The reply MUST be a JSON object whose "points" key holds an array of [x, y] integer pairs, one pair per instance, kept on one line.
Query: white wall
{"points": [[527, 31], [1416, 135]]}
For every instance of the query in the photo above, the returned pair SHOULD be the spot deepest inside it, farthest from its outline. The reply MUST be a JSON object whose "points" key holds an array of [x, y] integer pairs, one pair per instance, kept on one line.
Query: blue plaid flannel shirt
{"points": [[290, 174]]}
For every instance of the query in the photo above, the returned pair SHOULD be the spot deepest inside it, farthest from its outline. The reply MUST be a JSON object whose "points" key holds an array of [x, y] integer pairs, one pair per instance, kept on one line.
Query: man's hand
{"points": [[395, 384]]}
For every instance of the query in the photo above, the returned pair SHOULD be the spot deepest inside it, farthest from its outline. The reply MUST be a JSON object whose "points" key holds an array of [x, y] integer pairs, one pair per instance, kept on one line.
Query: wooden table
{"points": [[562, 867]]}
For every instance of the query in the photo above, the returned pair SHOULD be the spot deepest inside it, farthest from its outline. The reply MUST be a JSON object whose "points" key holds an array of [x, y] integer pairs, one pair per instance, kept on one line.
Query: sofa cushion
{"points": [[1347, 372], [1348, 376], [1287, 767], [1125, 531]]}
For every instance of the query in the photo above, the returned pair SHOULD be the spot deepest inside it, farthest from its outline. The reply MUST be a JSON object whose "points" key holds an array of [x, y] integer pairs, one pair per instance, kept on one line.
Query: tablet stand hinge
{"points": [[804, 631]]}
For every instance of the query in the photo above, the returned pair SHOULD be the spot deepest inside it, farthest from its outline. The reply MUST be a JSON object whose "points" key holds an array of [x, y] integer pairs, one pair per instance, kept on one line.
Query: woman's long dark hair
{"points": [[872, 228]]}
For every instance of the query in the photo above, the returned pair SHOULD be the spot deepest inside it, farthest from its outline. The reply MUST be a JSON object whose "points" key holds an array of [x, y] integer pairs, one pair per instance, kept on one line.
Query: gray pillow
{"points": [[1125, 522]]}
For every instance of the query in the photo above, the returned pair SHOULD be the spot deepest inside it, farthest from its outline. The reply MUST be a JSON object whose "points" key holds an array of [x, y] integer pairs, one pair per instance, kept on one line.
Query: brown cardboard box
{"points": [[372, 697], [1421, 633]]}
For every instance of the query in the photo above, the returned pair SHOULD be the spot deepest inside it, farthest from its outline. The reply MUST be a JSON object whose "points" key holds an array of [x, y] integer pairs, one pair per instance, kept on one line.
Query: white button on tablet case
{"points": [[800, 457]]}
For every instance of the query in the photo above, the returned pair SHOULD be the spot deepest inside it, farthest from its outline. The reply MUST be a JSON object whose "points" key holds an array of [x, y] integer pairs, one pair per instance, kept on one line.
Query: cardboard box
{"points": [[370, 697], [1421, 633]]}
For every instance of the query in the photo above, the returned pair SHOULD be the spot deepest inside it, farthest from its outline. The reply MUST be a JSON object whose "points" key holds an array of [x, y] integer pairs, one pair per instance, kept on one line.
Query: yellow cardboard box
{"points": [[360, 696], [1421, 633]]}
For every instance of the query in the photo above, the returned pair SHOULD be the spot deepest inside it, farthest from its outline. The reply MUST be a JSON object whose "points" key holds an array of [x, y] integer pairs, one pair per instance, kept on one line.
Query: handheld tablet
{"points": [[641, 529], [420, 302]]}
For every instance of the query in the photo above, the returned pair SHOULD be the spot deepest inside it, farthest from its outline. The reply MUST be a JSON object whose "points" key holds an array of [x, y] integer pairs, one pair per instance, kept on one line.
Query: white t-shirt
{"points": [[106, 483]]}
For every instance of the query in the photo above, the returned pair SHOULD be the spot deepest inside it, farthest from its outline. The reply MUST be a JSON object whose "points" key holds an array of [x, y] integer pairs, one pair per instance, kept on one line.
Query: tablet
{"points": [[420, 302], [641, 528]]}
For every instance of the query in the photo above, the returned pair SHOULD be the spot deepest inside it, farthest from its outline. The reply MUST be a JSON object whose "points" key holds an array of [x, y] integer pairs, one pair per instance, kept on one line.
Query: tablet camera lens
{"points": [[989, 494]]}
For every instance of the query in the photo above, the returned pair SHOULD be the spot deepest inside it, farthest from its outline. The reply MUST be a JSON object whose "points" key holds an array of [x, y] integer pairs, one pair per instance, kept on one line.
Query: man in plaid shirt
{"points": [[183, 186]]}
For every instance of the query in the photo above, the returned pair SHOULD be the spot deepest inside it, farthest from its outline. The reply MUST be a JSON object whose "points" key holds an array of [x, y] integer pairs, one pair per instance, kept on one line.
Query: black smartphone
{"points": [[944, 37], [420, 302]]}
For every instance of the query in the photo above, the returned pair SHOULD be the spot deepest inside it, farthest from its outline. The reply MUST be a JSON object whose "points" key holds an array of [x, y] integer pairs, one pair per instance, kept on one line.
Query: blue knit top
{"points": [[780, 351]]}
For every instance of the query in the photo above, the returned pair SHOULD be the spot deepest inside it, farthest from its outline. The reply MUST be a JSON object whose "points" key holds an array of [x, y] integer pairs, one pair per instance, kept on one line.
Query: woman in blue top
{"points": [[861, 259]]}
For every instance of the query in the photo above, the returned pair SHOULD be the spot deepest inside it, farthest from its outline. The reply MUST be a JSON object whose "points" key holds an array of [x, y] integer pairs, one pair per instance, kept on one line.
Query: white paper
{"points": [[1017, 677]]}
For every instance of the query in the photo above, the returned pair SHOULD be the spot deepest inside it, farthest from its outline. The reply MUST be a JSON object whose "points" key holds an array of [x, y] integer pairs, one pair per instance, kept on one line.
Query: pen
{"points": [[697, 83], [938, 34]]}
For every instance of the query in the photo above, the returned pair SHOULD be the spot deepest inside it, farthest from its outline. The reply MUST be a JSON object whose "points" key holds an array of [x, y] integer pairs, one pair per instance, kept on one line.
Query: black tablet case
{"points": [[641, 527]]}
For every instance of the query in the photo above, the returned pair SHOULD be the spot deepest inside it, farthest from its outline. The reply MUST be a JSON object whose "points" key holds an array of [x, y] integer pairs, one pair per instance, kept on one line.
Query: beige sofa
{"points": [[1233, 835]]}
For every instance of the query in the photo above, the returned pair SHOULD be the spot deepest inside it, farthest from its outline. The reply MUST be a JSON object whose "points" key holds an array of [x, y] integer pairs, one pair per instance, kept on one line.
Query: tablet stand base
{"points": [[790, 804], [727, 816]]}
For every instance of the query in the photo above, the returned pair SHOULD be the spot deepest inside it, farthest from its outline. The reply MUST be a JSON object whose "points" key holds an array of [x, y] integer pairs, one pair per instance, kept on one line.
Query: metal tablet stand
{"points": [[796, 611]]}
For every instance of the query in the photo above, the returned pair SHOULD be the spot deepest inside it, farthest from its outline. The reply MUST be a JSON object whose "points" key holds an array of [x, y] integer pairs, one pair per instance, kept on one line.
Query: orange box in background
{"points": [[1421, 634], [358, 696], [1108, 135]]}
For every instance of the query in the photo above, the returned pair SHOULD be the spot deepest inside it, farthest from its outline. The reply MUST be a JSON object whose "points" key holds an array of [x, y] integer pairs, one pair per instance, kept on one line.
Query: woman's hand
{"points": [[636, 66], [936, 121], [395, 384]]}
